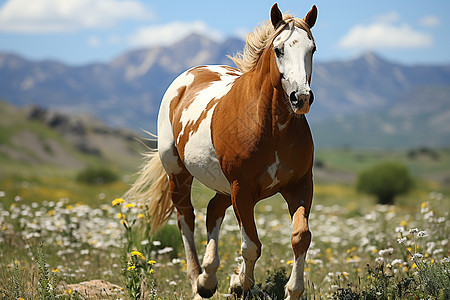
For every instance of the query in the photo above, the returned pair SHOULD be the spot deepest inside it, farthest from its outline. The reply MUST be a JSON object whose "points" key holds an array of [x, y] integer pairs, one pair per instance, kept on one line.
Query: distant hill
{"points": [[365, 102], [33, 137]]}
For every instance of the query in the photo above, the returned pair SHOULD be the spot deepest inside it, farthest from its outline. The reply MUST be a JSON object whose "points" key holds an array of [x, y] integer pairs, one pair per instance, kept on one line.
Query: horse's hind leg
{"points": [[180, 188], [207, 281]]}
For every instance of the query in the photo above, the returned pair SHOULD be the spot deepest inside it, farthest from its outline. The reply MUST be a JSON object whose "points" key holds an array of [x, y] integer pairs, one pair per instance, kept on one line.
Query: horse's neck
{"points": [[273, 98]]}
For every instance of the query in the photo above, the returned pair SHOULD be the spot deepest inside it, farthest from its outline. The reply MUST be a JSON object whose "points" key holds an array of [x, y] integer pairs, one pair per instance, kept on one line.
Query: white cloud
{"points": [[171, 33], [382, 35], [389, 17], [430, 21], [45, 16], [94, 42]]}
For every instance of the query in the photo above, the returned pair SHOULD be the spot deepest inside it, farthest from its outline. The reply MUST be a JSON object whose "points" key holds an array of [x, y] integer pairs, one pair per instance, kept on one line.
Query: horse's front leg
{"points": [[299, 198], [243, 205]]}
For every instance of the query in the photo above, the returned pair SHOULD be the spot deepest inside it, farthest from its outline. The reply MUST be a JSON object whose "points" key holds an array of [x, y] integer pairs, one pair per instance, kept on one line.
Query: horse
{"points": [[242, 133]]}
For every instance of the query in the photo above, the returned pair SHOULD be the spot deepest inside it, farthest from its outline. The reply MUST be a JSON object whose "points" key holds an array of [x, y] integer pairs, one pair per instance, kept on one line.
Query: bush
{"points": [[96, 176], [385, 181]]}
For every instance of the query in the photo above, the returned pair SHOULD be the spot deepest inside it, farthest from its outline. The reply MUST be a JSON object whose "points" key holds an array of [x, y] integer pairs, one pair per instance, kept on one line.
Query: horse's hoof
{"points": [[235, 286], [206, 293]]}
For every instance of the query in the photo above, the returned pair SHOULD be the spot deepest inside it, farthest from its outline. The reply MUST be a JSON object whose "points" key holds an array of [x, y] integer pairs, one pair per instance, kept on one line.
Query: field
{"points": [[56, 231]]}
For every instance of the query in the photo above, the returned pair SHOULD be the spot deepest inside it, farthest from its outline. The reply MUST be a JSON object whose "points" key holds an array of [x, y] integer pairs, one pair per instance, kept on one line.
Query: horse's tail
{"points": [[152, 190]]}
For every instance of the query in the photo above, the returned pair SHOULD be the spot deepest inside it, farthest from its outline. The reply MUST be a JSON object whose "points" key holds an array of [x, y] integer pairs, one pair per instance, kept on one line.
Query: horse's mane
{"points": [[257, 40]]}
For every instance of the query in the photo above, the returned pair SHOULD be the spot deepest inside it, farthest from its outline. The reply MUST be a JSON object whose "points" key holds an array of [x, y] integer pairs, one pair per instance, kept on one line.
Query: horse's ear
{"points": [[311, 17], [276, 17]]}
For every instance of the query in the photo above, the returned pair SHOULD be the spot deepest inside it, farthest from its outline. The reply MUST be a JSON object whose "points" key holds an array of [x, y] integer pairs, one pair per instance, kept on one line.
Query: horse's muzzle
{"points": [[301, 104]]}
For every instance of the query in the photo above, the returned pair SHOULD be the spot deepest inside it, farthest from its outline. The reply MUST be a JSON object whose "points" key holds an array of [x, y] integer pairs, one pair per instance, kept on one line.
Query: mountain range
{"points": [[364, 102]]}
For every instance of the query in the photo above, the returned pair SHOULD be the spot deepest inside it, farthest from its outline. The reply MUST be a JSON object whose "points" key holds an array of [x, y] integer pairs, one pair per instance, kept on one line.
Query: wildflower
{"points": [[401, 241], [290, 262], [131, 268], [399, 229], [138, 254], [403, 223], [387, 251], [418, 255], [120, 216], [151, 262], [141, 216], [117, 201], [56, 270], [413, 231], [422, 233], [130, 205], [151, 271], [379, 260]]}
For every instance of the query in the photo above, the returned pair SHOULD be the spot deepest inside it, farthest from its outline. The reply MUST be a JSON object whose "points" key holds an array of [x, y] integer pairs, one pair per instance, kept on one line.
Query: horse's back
{"points": [[184, 123]]}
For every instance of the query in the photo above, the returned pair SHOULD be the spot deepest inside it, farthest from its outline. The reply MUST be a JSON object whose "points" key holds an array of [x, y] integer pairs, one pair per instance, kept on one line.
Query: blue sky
{"points": [[83, 31]]}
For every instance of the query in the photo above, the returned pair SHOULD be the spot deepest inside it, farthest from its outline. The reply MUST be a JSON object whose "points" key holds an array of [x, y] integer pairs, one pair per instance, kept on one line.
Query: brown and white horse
{"points": [[243, 134]]}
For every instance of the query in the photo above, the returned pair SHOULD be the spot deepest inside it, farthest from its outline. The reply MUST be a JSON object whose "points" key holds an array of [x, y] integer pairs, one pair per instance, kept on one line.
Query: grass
{"points": [[73, 233]]}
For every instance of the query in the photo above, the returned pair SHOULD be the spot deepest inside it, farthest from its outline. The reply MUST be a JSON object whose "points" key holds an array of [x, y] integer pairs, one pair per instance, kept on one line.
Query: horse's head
{"points": [[293, 48]]}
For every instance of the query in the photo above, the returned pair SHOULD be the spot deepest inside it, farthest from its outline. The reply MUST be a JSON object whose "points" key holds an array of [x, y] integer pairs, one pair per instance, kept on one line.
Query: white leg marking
{"points": [[250, 254], [211, 262], [296, 285]]}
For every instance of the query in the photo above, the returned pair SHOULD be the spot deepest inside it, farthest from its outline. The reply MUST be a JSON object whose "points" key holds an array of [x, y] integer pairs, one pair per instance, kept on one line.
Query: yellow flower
{"points": [[129, 205], [374, 251], [117, 201], [69, 207], [141, 216], [423, 205], [51, 212], [151, 262], [138, 254], [131, 268], [120, 216], [151, 271], [56, 270], [290, 262], [403, 223]]}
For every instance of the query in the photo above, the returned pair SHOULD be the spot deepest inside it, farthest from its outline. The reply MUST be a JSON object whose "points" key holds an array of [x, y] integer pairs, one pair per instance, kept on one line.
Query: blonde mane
{"points": [[257, 41]]}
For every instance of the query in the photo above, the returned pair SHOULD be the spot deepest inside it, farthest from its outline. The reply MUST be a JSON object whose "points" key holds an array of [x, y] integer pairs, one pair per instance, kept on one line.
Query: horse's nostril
{"points": [[311, 97], [293, 98]]}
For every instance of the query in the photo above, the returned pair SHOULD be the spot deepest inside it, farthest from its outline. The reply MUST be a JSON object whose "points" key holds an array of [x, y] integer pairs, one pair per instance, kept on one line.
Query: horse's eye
{"points": [[278, 52]]}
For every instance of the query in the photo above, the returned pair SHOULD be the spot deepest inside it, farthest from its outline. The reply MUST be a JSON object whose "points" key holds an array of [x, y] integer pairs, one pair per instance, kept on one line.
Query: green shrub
{"points": [[96, 176], [385, 181]]}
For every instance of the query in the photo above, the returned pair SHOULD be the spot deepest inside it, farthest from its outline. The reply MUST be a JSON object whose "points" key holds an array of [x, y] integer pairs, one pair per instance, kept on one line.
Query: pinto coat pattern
{"points": [[243, 133]]}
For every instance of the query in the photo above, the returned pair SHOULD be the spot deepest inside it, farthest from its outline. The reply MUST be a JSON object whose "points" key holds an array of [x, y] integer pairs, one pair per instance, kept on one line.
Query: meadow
{"points": [[56, 232]]}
